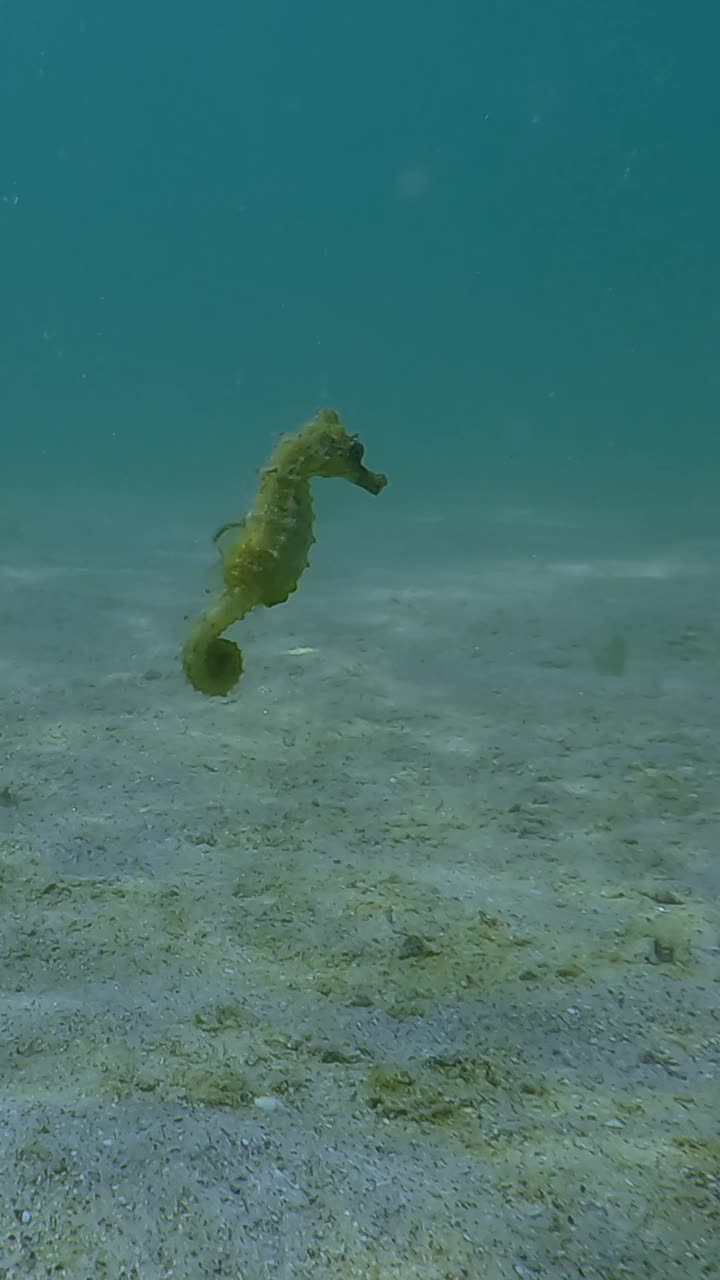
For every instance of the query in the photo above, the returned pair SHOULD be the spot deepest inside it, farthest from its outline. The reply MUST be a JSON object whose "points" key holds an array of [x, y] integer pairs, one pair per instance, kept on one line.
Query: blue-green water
{"points": [[401, 961], [486, 232]]}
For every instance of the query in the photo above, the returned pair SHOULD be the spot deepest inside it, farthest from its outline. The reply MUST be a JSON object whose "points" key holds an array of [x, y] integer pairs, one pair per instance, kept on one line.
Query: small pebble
{"points": [[267, 1103]]}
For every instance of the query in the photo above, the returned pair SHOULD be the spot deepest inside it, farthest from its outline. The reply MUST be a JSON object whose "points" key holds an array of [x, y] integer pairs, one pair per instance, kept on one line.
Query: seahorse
{"points": [[265, 554]]}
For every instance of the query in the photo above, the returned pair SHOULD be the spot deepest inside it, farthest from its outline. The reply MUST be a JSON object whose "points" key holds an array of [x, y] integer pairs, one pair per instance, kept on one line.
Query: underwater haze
{"points": [[487, 232], [359, 785]]}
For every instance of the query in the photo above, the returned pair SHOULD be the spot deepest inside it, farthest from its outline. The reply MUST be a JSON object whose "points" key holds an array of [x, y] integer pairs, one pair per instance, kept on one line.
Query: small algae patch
{"points": [[174, 1070], [611, 658], [442, 1089]]}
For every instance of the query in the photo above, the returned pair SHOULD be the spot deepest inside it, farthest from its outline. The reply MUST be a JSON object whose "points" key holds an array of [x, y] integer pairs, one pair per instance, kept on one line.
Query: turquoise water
{"points": [[487, 233], [401, 961]]}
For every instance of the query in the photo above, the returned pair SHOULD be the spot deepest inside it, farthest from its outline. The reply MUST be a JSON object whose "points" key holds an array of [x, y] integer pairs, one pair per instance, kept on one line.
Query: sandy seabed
{"points": [[400, 962]]}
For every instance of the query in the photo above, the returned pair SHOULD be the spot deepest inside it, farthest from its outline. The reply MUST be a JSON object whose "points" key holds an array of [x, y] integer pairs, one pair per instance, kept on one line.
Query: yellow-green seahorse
{"points": [[268, 550]]}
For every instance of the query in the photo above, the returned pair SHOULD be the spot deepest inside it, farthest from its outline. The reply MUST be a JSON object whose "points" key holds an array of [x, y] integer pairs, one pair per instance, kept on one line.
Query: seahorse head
{"points": [[332, 451]]}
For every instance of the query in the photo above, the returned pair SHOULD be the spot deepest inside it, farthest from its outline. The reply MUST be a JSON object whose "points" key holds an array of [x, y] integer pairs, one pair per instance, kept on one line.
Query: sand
{"points": [[400, 962]]}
